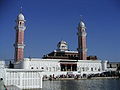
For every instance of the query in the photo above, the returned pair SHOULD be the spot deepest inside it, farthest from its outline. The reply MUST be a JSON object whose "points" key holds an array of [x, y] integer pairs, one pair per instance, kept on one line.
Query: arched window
{"points": [[99, 69], [20, 23], [91, 69]]}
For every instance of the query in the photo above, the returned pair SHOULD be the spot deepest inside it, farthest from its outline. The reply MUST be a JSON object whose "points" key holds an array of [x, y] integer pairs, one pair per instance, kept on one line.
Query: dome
{"points": [[62, 42], [62, 46], [82, 24], [21, 17]]}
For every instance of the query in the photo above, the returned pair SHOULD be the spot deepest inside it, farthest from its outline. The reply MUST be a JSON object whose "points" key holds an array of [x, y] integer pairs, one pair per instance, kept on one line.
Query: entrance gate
{"points": [[68, 66]]}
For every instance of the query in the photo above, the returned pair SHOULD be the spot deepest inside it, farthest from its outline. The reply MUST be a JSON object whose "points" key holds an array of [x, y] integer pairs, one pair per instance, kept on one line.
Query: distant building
{"points": [[113, 66]]}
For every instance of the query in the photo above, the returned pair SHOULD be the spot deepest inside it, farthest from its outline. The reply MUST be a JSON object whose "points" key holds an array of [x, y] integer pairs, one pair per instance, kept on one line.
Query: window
{"points": [[110, 65], [49, 68], [42, 67], [20, 23], [46, 68], [95, 68], [71, 55], [83, 69], [63, 46], [91, 69], [54, 68], [99, 69], [117, 65]]}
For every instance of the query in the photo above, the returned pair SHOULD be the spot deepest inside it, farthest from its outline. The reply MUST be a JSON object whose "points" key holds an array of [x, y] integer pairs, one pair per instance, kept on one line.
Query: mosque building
{"points": [[61, 59], [27, 73]]}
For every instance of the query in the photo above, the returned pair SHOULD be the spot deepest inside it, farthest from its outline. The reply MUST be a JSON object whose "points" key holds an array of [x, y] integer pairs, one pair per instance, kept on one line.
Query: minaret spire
{"points": [[81, 17], [82, 50], [21, 9], [20, 6]]}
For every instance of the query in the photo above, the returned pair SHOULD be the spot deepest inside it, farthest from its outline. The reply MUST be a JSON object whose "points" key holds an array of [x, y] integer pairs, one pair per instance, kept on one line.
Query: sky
{"points": [[49, 21]]}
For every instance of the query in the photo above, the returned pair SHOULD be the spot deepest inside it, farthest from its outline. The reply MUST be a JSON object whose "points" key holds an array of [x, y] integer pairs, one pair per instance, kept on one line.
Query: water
{"points": [[106, 84]]}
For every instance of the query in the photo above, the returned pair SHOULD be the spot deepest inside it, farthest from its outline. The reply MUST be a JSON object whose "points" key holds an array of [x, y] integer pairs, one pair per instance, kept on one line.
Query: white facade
{"points": [[39, 64], [29, 72], [90, 66], [53, 65]]}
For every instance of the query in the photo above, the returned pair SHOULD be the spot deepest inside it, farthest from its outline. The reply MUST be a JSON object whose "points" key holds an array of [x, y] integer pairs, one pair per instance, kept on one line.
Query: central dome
{"points": [[63, 42], [62, 46]]}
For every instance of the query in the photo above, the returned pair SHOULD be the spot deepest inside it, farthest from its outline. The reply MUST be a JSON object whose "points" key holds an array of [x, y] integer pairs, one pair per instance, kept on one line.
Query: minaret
{"points": [[19, 42], [82, 50]]}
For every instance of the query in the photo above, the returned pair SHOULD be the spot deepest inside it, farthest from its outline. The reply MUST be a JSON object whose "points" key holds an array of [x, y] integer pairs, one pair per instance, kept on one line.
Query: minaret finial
{"points": [[81, 17], [61, 38], [20, 5], [21, 9]]}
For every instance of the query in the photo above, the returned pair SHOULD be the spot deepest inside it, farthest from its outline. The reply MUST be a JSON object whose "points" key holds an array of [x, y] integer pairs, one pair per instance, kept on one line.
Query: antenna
{"points": [[20, 3], [21, 9]]}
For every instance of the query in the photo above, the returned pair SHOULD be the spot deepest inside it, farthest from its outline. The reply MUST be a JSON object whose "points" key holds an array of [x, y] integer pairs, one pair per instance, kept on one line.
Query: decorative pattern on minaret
{"points": [[19, 42], [82, 50]]}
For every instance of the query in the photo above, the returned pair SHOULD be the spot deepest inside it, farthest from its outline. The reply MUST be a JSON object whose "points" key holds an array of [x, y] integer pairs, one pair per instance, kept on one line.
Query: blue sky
{"points": [[49, 21]]}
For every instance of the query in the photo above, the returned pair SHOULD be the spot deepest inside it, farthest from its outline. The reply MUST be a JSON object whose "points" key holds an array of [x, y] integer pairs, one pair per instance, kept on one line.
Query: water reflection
{"points": [[106, 84]]}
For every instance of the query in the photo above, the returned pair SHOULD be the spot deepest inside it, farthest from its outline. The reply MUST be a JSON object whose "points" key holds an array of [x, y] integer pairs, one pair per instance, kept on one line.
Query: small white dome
{"points": [[62, 46], [62, 42], [21, 17], [82, 24]]}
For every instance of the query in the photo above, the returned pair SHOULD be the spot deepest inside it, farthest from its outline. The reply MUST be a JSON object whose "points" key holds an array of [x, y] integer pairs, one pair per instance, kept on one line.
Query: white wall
{"points": [[89, 66], [41, 64], [53, 65], [24, 79]]}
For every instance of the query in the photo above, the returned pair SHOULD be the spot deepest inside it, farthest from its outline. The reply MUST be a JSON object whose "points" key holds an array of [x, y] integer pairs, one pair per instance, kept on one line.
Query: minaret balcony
{"points": [[82, 50], [20, 28], [82, 34], [19, 45], [80, 28]]}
